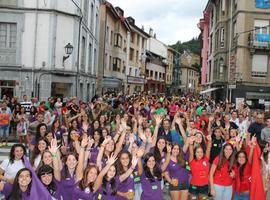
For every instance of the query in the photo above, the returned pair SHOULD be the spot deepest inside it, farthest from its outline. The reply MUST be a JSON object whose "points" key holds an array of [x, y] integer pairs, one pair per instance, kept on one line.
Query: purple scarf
{"points": [[38, 191]]}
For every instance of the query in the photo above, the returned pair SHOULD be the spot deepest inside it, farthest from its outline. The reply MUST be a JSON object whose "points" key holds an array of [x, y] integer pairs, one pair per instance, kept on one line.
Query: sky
{"points": [[171, 20]]}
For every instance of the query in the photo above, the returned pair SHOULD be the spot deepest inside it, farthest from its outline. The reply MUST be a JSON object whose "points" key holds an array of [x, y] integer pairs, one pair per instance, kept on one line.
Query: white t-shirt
{"points": [[37, 161], [11, 169]]}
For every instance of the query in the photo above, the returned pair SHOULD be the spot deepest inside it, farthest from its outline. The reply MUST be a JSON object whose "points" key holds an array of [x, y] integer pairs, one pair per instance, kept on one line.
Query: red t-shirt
{"points": [[222, 177], [200, 171], [242, 184]]}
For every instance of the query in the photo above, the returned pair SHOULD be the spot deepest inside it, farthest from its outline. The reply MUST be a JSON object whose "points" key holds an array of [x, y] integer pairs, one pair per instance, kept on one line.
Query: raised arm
{"points": [[158, 120], [124, 176], [140, 153], [168, 158], [56, 168], [211, 179], [252, 146], [79, 169], [101, 151], [103, 172], [209, 145]]}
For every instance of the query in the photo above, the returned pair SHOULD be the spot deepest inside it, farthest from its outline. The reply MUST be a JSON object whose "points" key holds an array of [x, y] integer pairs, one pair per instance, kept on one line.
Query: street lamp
{"points": [[68, 50]]}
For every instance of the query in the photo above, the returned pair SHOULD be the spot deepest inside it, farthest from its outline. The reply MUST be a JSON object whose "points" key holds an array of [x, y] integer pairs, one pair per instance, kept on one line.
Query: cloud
{"points": [[172, 20]]}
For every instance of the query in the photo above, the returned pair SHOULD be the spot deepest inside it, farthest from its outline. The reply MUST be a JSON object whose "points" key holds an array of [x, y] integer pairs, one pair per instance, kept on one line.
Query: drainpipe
{"points": [[229, 91], [78, 54], [35, 49]]}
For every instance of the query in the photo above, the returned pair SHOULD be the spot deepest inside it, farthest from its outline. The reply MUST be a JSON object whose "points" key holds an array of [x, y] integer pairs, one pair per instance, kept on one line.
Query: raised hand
{"points": [[158, 119], [169, 148], [131, 138], [140, 120], [112, 159], [108, 138], [143, 137], [90, 143], [53, 148], [140, 152], [84, 142], [134, 161], [209, 138]]}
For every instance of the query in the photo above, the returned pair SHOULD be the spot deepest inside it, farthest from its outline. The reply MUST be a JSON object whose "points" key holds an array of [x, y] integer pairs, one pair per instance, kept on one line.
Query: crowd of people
{"points": [[143, 146]]}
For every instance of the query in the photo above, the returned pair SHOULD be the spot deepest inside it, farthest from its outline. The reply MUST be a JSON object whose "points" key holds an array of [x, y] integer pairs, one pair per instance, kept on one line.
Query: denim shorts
{"points": [[198, 190], [181, 186]]}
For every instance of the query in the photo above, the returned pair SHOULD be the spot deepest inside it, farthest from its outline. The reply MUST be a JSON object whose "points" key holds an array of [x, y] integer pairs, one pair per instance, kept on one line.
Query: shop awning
{"points": [[208, 90]]}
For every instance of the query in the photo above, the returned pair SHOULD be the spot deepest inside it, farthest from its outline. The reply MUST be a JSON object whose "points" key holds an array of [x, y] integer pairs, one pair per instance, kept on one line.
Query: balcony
{"points": [[259, 41]]}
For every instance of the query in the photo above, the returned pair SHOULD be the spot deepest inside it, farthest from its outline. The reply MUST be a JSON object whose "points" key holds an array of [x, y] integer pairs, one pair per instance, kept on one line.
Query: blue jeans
{"points": [[223, 192], [4, 132], [241, 196]]}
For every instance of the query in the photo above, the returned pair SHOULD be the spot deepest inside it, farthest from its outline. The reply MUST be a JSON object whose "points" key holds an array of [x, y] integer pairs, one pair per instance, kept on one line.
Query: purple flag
{"points": [[38, 191]]}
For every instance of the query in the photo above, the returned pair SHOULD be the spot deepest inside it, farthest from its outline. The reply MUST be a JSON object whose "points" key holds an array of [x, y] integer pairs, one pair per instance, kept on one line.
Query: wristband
{"points": [[132, 168], [54, 155]]}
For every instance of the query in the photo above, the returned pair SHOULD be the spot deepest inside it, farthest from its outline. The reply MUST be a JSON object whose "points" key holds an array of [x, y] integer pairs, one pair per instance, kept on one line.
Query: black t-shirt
{"points": [[216, 147], [255, 129], [167, 136]]}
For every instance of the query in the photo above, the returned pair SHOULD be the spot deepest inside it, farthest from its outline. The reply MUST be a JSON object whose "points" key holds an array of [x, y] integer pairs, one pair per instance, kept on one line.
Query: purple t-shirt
{"points": [[79, 194], [108, 195], [178, 172], [7, 191], [56, 194], [125, 186], [151, 190], [67, 186], [94, 154]]}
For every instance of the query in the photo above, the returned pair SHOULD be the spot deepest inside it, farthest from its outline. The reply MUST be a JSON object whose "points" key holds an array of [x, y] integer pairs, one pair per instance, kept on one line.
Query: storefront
{"points": [[111, 84], [7, 87], [134, 84]]}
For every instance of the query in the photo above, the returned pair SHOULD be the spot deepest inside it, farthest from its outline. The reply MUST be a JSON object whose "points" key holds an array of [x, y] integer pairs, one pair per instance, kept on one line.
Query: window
{"points": [[95, 61], [116, 64], [156, 75], [130, 71], [90, 58], [85, 10], [92, 17], [151, 73], [222, 35], [111, 42], [8, 3], [106, 60], [259, 66], [8, 35], [261, 30], [107, 33], [83, 59], [110, 63], [137, 56], [131, 54], [124, 67], [117, 40], [132, 37], [138, 40], [217, 39], [223, 7], [125, 46], [136, 71], [147, 73], [96, 26]]}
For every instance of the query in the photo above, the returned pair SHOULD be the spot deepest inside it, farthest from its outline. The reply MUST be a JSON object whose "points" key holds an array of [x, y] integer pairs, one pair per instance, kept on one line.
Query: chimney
{"points": [[155, 35], [120, 11], [151, 32], [142, 27]]}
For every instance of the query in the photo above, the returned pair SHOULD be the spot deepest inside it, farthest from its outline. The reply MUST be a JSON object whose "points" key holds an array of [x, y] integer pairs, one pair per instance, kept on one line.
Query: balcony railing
{"points": [[259, 41]]}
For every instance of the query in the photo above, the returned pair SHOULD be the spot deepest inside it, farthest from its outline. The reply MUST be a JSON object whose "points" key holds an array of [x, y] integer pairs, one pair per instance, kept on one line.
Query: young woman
{"points": [[199, 166], [88, 181], [98, 139], [124, 165], [41, 130], [150, 177], [39, 148], [9, 167], [85, 127], [57, 131], [32, 115], [113, 186], [265, 163], [221, 174], [21, 186], [46, 176], [177, 175]]}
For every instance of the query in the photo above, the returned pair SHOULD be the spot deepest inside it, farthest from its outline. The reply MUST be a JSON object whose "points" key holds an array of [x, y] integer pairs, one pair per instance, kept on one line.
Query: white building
{"points": [[156, 64], [33, 36]]}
